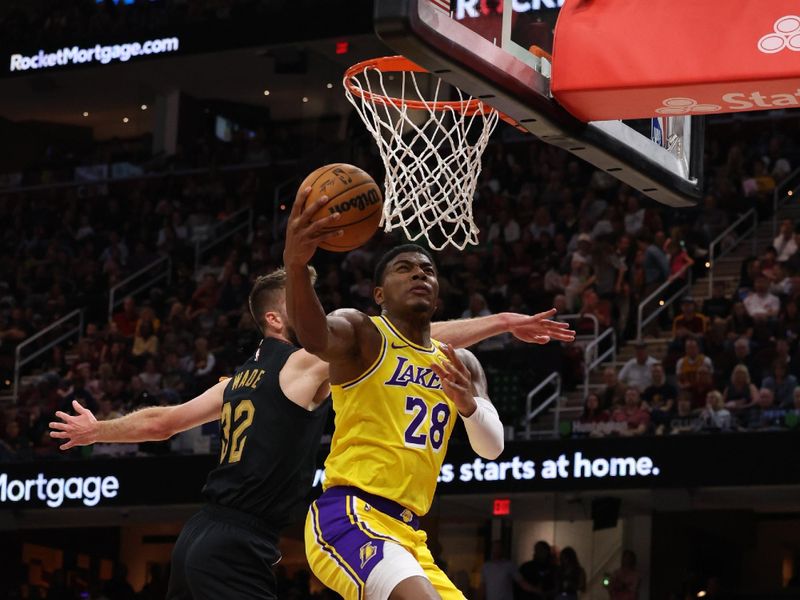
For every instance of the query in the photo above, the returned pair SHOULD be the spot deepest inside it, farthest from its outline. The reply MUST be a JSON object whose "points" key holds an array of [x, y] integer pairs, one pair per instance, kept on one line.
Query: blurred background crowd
{"points": [[553, 233]]}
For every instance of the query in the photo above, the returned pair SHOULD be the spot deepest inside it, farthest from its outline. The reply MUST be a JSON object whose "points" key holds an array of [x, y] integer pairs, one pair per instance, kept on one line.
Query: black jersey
{"points": [[268, 443]]}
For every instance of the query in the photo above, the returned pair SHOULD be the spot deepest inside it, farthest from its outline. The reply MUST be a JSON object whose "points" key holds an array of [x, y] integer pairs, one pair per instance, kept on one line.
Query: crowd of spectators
{"points": [[731, 364], [553, 233], [89, 164], [61, 252]]}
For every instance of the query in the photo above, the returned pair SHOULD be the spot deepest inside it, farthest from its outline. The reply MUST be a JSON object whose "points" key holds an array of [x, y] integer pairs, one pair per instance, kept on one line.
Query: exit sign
{"points": [[502, 507]]}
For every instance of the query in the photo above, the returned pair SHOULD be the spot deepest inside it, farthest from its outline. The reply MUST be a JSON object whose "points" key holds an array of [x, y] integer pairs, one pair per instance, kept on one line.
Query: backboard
{"points": [[499, 52]]}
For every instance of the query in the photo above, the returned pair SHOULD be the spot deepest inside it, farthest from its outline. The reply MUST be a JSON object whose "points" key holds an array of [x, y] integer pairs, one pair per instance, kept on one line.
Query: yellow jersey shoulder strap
{"points": [[397, 340]]}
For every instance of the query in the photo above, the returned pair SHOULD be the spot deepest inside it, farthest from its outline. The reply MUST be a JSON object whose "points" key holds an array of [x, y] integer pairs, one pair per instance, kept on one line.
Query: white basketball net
{"points": [[431, 150]]}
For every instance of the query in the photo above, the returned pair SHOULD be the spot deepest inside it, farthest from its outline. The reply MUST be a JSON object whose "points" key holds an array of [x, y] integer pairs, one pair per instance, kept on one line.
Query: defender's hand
{"points": [[540, 329], [304, 235], [80, 430], [456, 381]]}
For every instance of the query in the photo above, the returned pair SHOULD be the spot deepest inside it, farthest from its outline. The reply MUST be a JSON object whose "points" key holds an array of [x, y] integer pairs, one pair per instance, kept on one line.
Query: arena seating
{"points": [[553, 232]]}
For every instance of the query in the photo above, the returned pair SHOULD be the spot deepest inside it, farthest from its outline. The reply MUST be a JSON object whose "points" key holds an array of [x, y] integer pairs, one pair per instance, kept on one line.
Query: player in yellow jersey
{"points": [[396, 394]]}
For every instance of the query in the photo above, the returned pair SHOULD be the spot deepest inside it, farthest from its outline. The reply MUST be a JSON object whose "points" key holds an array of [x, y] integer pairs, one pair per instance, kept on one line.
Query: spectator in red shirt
{"points": [[768, 261], [205, 298], [625, 582], [593, 420], [592, 413], [679, 260], [126, 319], [638, 418], [591, 304]]}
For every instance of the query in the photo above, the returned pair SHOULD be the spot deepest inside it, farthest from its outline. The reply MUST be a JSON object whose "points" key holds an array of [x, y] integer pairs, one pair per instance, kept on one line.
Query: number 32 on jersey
{"points": [[240, 419]]}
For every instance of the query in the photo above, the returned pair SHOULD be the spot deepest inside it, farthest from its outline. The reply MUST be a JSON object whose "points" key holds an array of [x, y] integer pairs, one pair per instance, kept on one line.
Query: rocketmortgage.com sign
{"points": [[93, 54]]}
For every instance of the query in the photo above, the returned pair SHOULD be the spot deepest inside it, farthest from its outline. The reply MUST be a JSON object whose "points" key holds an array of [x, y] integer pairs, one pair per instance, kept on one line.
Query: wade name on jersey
{"points": [[406, 373], [249, 378]]}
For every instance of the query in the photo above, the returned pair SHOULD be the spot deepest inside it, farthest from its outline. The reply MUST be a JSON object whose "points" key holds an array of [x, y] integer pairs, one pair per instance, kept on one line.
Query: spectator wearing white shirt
{"points": [[782, 281], [85, 228], [715, 415], [505, 229], [498, 575], [760, 304], [638, 372], [784, 243], [583, 250], [604, 226], [151, 377], [202, 361], [634, 217]]}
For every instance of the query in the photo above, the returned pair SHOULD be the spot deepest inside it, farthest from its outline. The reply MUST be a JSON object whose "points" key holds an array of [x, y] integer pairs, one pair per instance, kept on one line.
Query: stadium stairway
{"points": [[726, 270]]}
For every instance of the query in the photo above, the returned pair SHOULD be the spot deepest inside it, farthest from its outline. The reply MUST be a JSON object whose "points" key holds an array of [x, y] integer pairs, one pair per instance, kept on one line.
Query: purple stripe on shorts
{"points": [[362, 524], [329, 551], [359, 550]]}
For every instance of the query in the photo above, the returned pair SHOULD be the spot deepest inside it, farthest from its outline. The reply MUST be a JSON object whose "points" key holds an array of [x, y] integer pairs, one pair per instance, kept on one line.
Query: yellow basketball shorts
{"points": [[345, 535]]}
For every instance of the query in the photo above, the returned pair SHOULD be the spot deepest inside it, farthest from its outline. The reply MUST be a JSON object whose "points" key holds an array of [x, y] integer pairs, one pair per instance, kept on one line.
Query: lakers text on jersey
{"points": [[392, 424]]}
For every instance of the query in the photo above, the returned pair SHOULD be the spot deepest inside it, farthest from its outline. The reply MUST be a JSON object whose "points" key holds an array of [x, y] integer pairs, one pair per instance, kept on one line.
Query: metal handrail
{"points": [[20, 362], [578, 316], [553, 379], [794, 176], [590, 363], [222, 231], [283, 196], [752, 213], [662, 304], [165, 273]]}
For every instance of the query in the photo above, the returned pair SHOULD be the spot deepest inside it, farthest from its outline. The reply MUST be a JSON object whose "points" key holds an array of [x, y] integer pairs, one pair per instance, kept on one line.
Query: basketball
{"points": [[353, 194]]}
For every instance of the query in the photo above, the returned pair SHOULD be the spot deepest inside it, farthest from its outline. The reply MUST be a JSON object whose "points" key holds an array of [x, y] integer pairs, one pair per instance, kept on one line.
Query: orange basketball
{"points": [[353, 194]]}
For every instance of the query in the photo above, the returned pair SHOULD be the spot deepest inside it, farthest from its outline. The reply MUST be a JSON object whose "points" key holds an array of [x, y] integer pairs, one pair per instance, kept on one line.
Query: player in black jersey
{"points": [[271, 412]]}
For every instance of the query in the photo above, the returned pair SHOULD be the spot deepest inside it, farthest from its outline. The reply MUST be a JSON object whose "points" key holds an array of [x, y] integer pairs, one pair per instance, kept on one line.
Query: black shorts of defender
{"points": [[224, 553]]}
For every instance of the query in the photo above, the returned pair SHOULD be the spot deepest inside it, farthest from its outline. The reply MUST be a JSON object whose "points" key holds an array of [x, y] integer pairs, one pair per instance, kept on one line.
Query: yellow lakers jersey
{"points": [[392, 424]]}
